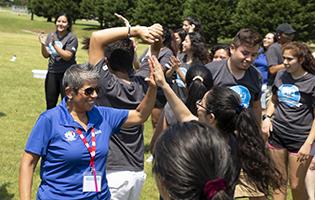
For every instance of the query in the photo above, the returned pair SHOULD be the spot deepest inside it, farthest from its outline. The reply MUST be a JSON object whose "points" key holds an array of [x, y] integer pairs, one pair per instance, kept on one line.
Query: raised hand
{"points": [[126, 22], [151, 34], [158, 72], [175, 63], [42, 38]]}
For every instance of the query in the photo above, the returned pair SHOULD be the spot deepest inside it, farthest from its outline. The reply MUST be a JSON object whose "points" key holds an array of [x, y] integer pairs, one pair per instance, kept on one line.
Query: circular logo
{"points": [[244, 93]]}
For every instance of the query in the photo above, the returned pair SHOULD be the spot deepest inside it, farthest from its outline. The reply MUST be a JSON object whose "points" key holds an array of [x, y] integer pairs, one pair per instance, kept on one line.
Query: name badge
{"points": [[89, 182]]}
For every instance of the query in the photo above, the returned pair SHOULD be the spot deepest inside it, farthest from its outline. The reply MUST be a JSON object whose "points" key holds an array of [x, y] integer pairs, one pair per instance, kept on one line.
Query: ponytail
{"points": [[255, 159]]}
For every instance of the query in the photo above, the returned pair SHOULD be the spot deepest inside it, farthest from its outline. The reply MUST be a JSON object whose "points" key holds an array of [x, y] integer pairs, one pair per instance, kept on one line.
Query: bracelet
{"points": [[129, 30], [265, 116]]}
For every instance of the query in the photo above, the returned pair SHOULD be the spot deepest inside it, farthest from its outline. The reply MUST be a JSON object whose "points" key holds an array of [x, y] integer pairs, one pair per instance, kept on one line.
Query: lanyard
{"points": [[92, 151]]}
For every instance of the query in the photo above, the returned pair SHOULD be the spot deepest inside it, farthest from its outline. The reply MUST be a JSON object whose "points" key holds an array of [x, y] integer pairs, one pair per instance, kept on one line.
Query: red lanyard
{"points": [[92, 151]]}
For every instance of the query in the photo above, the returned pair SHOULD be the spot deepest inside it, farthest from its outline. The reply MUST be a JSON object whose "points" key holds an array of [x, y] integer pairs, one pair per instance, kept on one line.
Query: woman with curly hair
{"points": [[291, 130]]}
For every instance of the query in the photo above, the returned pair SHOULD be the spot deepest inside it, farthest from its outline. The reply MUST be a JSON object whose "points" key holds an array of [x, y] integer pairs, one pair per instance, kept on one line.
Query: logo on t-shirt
{"points": [[52, 50], [290, 95], [70, 136], [244, 94]]}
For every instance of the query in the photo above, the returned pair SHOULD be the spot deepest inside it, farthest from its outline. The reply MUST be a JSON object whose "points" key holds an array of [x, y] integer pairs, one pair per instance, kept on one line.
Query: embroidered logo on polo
{"points": [[98, 132], [244, 94], [70, 136], [290, 95]]}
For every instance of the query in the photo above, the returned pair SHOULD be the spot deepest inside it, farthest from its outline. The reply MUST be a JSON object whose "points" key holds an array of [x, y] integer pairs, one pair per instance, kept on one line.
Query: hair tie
{"points": [[239, 108], [198, 77], [213, 186]]}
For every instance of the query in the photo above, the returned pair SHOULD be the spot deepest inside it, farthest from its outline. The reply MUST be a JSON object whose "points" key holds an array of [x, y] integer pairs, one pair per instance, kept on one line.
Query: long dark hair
{"points": [[190, 154], [200, 54], [182, 34], [199, 81], [232, 118], [69, 19], [169, 40], [301, 51]]}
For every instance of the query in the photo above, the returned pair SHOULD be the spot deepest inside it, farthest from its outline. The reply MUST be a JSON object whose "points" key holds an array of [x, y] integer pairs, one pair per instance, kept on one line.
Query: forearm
{"points": [[275, 68], [270, 107], [64, 54], [181, 75], [143, 111], [169, 73], [44, 51], [27, 167], [182, 113]]}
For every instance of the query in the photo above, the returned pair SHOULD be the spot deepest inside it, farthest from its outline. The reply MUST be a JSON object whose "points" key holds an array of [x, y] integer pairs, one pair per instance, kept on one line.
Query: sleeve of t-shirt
{"points": [[272, 58], [165, 60], [115, 117], [313, 101], [38, 140], [72, 44]]}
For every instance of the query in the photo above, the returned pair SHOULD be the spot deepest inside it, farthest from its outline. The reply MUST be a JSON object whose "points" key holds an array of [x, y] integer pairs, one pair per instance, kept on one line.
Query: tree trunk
{"points": [[49, 19], [32, 16]]}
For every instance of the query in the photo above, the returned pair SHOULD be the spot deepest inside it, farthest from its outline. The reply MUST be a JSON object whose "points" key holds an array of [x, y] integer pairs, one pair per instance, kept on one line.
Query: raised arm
{"points": [[100, 39], [144, 109], [180, 110], [42, 39], [27, 167]]}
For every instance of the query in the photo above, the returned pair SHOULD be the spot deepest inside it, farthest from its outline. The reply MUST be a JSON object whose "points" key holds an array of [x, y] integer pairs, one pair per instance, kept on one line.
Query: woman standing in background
{"points": [[60, 47]]}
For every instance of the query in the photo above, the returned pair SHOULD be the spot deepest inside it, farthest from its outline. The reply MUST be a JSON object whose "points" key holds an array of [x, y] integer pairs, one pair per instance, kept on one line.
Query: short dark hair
{"points": [[247, 37], [120, 55], [188, 155]]}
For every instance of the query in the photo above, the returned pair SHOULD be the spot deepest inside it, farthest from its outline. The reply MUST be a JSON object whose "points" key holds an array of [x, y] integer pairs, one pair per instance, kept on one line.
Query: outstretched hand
{"points": [[126, 22], [151, 34]]}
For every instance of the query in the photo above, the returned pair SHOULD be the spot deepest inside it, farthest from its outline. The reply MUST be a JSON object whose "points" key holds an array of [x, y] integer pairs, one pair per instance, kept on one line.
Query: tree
{"points": [[266, 15], [167, 13], [214, 16]]}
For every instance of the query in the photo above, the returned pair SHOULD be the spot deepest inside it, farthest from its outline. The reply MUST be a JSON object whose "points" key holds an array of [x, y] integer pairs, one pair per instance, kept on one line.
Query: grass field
{"points": [[22, 97]]}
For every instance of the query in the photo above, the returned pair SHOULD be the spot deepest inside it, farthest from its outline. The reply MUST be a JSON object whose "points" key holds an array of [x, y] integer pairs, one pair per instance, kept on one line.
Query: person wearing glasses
{"points": [[72, 140], [198, 81], [222, 108], [60, 47]]}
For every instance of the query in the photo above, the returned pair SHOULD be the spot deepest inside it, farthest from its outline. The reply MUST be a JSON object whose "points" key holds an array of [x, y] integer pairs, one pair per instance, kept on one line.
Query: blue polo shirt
{"points": [[64, 157]]}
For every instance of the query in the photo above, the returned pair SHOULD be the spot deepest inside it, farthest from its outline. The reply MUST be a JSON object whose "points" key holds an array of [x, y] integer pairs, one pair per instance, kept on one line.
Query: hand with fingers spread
{"points": [[150, 34], [126, 22], [175, 63], [158, 72]]}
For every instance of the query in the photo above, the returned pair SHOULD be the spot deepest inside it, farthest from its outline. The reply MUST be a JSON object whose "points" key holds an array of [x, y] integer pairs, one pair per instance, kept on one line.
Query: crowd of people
{"points": [[235, 120]]}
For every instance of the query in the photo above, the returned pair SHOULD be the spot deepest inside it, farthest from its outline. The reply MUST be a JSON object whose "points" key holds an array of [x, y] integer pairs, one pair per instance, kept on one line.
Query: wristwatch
{"points": [[265, 116]]}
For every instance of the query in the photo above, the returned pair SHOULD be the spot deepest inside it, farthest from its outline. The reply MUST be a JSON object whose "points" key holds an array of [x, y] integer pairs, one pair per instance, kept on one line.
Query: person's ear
{"points": [[69, 92], [211, 119], [301, 60]]}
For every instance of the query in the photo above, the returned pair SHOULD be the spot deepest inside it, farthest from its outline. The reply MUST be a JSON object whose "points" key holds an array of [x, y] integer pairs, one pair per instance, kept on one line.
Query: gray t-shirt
{"points": [[68, 42], [248, 87], [126, 150], [274, 57], [295, 104]]}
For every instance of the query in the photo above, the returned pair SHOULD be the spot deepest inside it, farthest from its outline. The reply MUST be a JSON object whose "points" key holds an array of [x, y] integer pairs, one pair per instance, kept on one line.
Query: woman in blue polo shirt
{"points": [[72, 140]]}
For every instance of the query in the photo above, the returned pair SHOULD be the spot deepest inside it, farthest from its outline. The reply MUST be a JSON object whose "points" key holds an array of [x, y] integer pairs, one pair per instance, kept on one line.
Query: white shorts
{"points": [[125, 185]]}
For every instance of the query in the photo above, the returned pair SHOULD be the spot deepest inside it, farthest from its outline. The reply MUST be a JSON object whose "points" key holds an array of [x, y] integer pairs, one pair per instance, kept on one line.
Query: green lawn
{"points": [[22, 97]]}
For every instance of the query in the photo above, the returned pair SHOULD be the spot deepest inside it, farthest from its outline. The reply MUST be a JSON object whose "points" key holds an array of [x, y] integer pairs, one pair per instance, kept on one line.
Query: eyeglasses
{"points": [[198, 104], [90, 90]]}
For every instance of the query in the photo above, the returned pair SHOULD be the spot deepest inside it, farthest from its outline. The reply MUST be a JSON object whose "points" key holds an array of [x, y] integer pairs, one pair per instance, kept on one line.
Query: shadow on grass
{"points": [[4, 194], [2, 114]]}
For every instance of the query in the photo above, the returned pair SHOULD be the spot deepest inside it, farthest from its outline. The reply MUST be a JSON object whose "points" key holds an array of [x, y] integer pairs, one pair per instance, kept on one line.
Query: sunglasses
{"points": [[90, 90], [198, 104]]}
